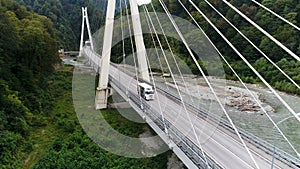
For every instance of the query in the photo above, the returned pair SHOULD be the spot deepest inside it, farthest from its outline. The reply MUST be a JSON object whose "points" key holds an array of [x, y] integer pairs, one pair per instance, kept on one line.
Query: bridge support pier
{"points": [[101, 98]]}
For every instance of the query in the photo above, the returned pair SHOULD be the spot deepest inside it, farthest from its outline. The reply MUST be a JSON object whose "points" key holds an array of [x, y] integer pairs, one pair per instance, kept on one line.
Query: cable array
{"points": [[174, 80], [227, 63], [277, 15], [248, 40], [154, 31], [122, 32], [262, 30], [246, 61], [208, 83]]}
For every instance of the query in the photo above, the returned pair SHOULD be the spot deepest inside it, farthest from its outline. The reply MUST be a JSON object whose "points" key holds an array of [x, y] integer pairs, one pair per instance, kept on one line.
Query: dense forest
{"points": [[66, 16], [286, 34], [38, 125], [28, 56]]}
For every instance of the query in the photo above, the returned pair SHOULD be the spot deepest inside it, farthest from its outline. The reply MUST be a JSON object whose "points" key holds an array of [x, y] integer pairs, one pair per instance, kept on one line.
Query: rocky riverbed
{"points": [[244, 108], [230, 96]]}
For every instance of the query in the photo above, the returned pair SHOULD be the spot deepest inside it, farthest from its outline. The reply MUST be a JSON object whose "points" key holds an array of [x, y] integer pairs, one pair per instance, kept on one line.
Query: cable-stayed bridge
{"points": [[200, 137]]}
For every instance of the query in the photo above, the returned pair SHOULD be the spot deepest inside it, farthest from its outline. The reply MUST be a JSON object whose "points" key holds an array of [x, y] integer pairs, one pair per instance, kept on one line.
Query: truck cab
{"points": [[146, 91]]}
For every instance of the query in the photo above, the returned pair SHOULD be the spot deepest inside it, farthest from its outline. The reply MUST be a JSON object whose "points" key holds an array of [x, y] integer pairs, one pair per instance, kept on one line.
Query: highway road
{"points": [[217, 144]]}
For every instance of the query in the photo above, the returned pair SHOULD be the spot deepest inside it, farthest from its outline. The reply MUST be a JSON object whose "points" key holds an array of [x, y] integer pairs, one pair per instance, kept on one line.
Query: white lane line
{"points": [[211, 138]]}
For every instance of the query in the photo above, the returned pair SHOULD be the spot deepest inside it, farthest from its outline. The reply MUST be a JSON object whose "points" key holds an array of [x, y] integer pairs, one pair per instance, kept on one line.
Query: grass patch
{"points": [[62, 112], [121, 124], [61, 142]]}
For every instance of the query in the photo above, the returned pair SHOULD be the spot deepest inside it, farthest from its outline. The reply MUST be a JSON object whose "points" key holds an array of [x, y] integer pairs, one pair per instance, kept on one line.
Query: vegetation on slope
{"points": [[64, 144], [286, 34], [27, 58], [67, 17], [61, 142], [38, 125]]}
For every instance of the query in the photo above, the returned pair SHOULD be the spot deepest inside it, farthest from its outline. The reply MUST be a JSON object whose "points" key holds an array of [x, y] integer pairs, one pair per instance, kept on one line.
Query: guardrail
{"points": [[249, 137], [184, 143]]}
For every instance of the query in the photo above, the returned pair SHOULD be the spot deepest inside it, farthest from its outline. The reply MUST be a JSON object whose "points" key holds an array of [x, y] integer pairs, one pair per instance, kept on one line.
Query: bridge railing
{"points": [[249, 137], [202, 113], [184, 143], [93, 58]]}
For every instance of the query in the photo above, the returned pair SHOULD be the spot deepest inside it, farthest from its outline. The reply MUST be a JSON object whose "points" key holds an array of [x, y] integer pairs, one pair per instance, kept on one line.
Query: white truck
{"points": [[146, 91]]}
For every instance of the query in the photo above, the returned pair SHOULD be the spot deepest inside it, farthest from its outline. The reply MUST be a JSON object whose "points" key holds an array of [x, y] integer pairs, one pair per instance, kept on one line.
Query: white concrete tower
{"points": [[139, 41], [85, 19], [102, 92]]}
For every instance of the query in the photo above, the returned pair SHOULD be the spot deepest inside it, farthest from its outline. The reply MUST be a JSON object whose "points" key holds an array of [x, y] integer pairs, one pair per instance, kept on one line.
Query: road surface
{"points": [[217, 144]]}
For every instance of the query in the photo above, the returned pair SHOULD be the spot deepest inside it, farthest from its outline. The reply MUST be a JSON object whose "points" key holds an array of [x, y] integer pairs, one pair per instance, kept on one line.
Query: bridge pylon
{"points": [[85, 19], [139, 41], [102, 92]]}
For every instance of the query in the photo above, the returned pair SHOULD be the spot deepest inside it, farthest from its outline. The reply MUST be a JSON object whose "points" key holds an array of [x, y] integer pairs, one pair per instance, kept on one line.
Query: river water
{"points": [[260, 125], [256, 123]]}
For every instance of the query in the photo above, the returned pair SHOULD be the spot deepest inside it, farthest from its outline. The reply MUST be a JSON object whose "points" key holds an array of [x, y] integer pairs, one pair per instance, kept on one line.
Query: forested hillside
{"points": [[38, 124], [286, 34], [67, 17], [28, 56]]}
